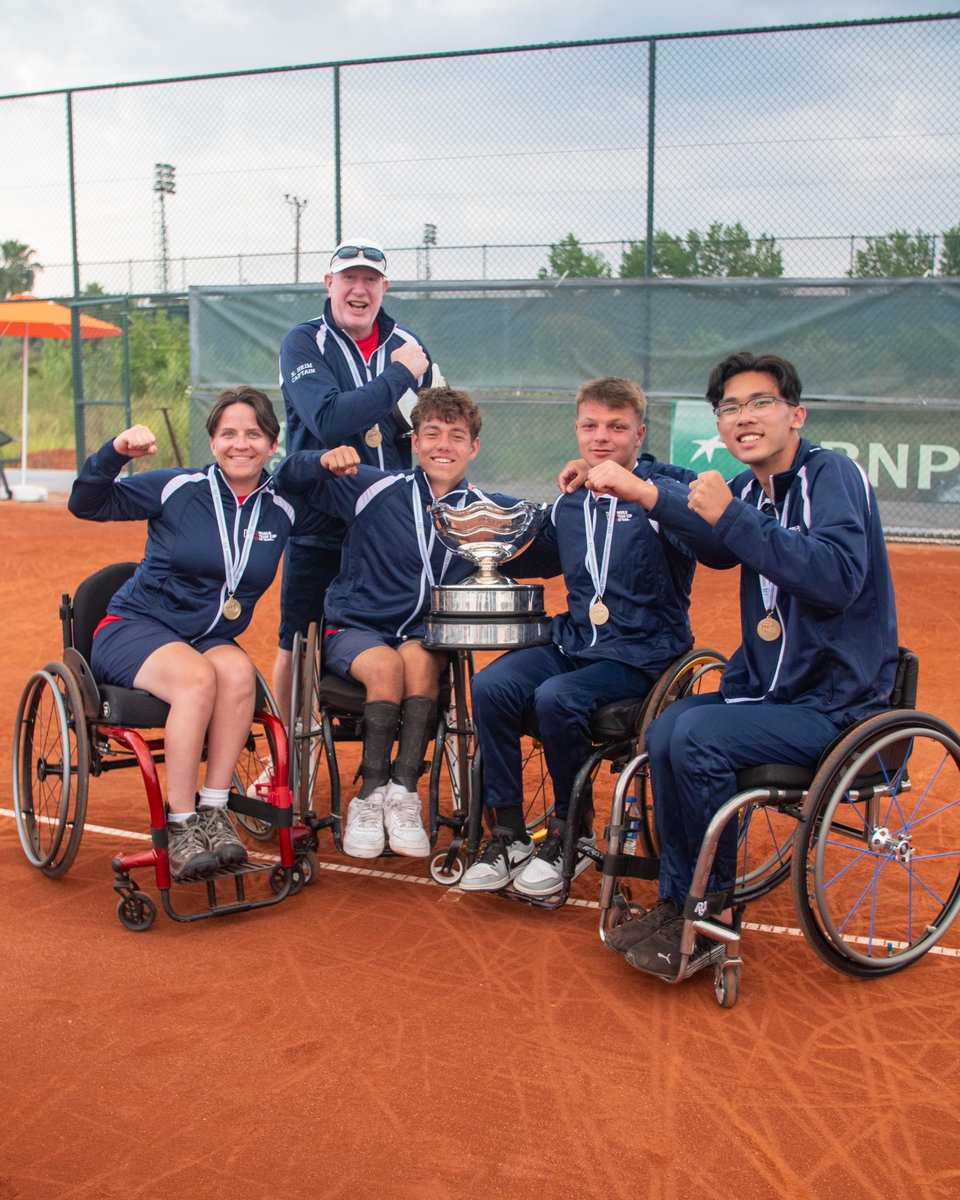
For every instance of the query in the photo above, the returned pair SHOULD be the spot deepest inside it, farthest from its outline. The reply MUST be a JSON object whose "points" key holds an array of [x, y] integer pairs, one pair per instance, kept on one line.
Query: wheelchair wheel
{"points": [[876, 874], [254, 766], [458, 741], [765, 838], [51, 767], [696, 672], [305, 743], [137, 912]]}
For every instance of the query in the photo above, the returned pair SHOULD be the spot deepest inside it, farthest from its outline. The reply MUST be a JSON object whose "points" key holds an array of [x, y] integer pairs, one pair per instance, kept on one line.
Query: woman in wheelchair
{"points": [[818, 631], [214, 541]]}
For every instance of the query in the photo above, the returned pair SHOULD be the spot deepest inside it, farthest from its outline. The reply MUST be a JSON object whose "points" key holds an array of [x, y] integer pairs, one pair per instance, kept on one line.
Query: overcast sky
{"points": [[109, 42]]}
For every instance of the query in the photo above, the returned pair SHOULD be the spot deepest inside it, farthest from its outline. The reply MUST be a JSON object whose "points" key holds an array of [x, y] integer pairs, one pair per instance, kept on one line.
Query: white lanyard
{"points": [[422, 544], [598, 575], [768, 590], [234, 560], [379, 361]]}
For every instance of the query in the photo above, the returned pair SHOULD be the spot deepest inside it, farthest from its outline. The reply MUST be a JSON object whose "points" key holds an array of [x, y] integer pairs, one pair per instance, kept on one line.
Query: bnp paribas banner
{"points": [[910, 455]]}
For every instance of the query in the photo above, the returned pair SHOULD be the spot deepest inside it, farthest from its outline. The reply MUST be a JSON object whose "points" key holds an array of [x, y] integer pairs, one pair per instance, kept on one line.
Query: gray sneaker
{"points": [[503, 857], [189, 851], [631, 933], [221, 835]]}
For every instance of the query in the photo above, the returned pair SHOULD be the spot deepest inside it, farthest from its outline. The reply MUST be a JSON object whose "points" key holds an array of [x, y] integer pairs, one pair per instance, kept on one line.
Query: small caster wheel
{"points": [[726, 984], [308, 867], [278, 880], [444, 873], [136, 912]]}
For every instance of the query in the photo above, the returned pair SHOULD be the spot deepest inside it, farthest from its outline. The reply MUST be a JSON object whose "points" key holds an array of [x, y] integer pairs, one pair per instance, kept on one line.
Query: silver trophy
{"points": [[487, 611]]}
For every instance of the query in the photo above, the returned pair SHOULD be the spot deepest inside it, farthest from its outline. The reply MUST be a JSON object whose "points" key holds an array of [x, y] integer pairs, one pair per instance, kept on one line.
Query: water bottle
{"points": [[631, 823]]}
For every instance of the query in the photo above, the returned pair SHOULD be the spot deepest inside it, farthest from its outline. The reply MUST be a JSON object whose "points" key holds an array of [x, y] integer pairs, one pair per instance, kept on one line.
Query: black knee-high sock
{"points": [[418, 726], [380, 721]]}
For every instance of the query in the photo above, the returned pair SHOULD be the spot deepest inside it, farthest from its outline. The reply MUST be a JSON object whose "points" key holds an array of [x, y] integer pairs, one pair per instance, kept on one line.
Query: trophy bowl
{"points": [[487, 611]]}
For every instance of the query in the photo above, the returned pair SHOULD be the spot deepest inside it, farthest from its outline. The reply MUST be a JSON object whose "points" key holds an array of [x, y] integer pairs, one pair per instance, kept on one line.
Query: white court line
{"points": [[454, 893]]}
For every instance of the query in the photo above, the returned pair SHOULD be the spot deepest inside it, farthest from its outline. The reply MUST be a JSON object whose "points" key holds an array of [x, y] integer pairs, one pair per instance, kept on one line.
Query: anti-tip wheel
{"points": [[726, 984]]}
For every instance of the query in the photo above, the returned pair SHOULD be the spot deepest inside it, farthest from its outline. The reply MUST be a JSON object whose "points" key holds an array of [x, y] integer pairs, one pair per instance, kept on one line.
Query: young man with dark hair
{"points": [[818, 629], [374, 609], [628, 590]]}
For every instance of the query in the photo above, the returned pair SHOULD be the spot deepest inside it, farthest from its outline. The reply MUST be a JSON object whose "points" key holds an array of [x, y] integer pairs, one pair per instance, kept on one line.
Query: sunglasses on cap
{"points": [[372, 253]]}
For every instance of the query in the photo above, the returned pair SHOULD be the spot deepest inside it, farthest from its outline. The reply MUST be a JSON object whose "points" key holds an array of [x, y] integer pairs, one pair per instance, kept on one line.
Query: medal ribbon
{"points": [[234, 561], [768, 590], [598, 574], [379, 361], [425, 547]]}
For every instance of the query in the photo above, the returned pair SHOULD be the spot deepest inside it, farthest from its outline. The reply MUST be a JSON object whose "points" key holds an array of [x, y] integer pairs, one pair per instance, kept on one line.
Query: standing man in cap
{"points": [[349, 377]]}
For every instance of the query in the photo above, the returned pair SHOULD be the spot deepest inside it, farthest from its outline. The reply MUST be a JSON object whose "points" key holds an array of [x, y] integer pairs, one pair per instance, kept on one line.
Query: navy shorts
{"points": [[122, 647], [341, 647], [307, 573]]}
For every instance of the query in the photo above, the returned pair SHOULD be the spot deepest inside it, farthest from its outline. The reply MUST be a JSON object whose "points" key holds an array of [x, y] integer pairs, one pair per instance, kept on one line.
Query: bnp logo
{"points": [[694, 441]]}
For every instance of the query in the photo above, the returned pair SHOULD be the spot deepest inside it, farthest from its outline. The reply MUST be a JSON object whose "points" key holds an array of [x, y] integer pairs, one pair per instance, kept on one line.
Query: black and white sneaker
{"points": [[659, 954], [543, 875], [503, 857]]}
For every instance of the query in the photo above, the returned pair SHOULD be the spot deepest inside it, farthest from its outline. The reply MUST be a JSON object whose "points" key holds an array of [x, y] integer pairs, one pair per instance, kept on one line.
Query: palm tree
{"points": [[18, 267]]}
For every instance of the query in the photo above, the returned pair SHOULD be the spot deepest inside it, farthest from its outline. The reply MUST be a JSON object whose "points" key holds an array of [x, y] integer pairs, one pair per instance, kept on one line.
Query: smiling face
{"points": [[443, 449], [240, 447], [355, 298], [607, 434], [765, 441]]}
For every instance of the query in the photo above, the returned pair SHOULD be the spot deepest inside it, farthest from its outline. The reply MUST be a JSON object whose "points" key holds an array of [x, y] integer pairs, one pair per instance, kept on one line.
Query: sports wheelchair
{"points": [[327, 709], [869, 836], [69, 727], [617, 731]]}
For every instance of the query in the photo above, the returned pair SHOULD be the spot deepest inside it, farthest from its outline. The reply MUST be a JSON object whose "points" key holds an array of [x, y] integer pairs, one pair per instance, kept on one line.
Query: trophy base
{"points": [[448, 632], [468, 617]]}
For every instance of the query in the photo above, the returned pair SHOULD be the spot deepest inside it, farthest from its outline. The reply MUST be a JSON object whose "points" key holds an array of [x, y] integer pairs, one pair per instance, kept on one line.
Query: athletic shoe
{"points": [[189, 851], [500, 860], [630, 933], [221, 835], [364, 837], [403, 824], [543, 875], [659, 954], [264, 777]]}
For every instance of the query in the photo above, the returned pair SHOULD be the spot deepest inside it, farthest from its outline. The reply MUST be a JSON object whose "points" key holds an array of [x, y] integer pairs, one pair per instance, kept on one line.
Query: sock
{"points": [[179, 818], [510, 816], [212, 797], [380, 721], [417, 727]]}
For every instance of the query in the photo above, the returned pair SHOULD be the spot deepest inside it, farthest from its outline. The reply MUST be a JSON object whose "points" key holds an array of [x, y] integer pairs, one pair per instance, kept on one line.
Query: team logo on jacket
{"points": [[623, 516], [261, 535]]}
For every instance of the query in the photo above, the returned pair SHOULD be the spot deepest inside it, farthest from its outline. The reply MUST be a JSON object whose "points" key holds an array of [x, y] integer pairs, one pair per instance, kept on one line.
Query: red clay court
{"points": [[380, 1036]]}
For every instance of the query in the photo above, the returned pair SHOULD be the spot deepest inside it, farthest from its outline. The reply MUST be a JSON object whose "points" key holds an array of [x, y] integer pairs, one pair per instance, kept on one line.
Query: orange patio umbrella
{"points": [[25, 317]]}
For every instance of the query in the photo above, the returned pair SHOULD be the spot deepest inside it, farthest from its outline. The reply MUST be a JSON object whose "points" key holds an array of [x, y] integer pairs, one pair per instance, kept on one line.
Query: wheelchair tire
{"points": [[137, 912], [876, 875], [51, 769], [253, 766], [305, 742]]}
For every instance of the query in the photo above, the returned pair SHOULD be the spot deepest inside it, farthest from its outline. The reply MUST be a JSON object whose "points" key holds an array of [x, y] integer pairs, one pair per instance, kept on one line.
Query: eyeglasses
{"points": [[373, 253], [728, 410]]}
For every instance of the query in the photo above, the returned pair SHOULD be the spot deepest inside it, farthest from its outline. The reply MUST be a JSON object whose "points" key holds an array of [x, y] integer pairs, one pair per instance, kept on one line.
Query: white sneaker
{"points": [[364, 837], [402, 821], [498, 863], [264, 777], [543, 874]]}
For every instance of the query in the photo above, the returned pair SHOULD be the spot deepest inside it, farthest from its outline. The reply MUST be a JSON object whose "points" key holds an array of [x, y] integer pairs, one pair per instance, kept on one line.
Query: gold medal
{"points": [[373, 437], [599, 613], [231, 608], [768, 628]]}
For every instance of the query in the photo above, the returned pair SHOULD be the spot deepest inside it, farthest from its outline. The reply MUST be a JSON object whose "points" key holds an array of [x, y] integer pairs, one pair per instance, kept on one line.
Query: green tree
{"points": [[18, 267], [950, 251], [568, 258], [671, 257], [894, 255], [725, 250]]}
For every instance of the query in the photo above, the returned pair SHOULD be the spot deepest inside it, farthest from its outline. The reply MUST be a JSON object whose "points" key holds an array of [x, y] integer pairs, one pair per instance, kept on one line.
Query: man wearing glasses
{"points": [[349, 377], [818, 629]]}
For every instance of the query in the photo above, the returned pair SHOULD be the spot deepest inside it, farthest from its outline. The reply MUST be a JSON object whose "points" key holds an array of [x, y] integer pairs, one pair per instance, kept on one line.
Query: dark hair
{"points": [[785, 373], [448, 405], [614, 392], [262, 408]]}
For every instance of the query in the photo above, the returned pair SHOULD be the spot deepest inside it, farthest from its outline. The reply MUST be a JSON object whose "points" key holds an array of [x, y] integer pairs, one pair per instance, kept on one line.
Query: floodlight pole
{"points": [[298, 206], [164, 185], [429, 239]]}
